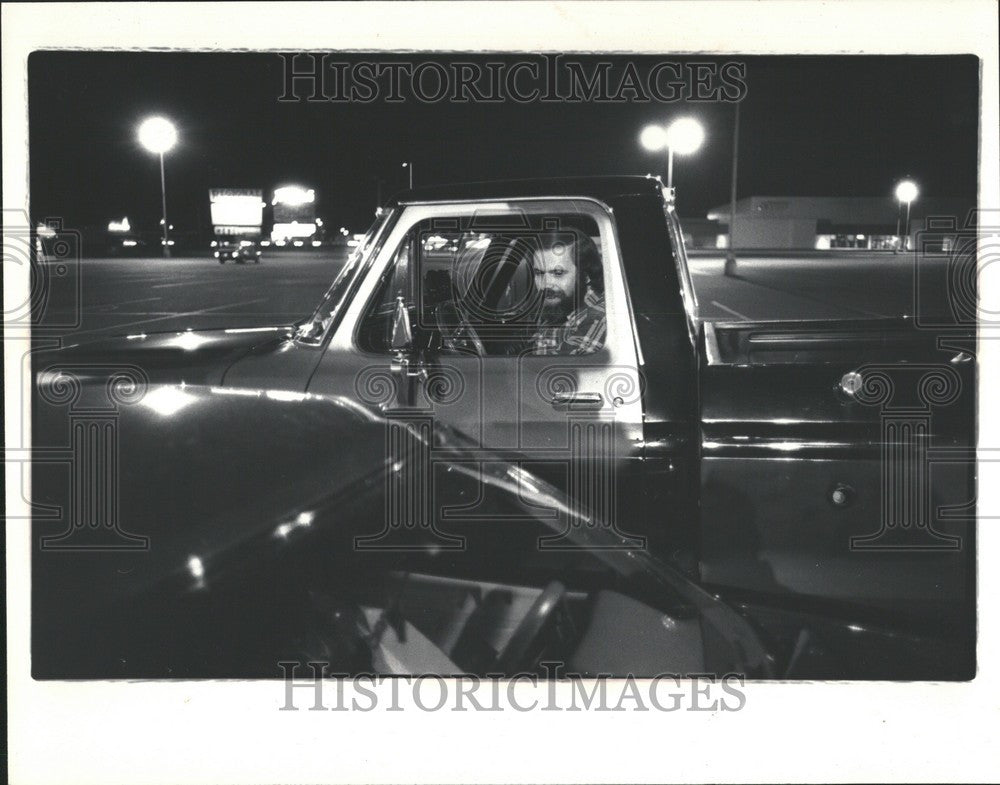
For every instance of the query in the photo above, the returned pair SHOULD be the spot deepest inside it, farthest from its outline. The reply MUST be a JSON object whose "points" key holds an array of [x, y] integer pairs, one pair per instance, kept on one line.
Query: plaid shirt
{"points": [[583, 331]]}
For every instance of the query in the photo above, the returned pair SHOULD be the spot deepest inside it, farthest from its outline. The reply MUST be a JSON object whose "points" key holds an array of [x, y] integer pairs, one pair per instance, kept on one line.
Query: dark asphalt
{"points": [[847, 285], [154, 294]]}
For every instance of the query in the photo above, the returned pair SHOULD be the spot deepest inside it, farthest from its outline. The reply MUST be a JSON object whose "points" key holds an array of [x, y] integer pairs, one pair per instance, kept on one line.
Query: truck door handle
{"points": [[578, 400], [404, 366]]}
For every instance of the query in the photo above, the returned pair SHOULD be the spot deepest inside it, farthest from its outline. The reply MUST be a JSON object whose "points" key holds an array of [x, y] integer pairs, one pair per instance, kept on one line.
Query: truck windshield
{"points": [[311, 330]]}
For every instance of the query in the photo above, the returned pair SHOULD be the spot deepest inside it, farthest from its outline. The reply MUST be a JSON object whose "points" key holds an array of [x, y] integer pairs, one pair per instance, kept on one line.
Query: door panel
{"points": [[577, 418]]}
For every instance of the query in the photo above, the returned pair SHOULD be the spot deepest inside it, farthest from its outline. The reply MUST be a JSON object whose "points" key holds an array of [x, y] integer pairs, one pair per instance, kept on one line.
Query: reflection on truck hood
{"points": [[192, 356], [212, 479], [201, 469]]}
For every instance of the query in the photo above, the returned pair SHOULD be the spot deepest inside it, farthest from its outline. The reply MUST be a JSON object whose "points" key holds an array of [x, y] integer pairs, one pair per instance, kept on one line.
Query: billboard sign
{"points": [[236, 208], [294, 204], [229, 230]]}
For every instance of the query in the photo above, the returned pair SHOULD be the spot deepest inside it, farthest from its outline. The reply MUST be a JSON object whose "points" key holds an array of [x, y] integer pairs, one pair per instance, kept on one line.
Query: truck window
{"points": [[521, 289]]}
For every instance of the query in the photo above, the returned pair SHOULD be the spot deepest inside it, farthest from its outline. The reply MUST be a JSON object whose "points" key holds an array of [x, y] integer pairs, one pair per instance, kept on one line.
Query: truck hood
{"points": [[180, 488], [176, 472], [190, 356], [193, 480]]}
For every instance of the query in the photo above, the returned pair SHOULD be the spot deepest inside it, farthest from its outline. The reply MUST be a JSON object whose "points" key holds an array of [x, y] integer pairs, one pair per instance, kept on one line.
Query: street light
{"points": [[653, 137], [682, 136], [906, 191], [409, 165], [158, 135]]}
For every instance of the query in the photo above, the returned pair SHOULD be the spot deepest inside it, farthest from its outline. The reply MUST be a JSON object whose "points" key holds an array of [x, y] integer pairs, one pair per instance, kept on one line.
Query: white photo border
{"points": [[229, 731]]}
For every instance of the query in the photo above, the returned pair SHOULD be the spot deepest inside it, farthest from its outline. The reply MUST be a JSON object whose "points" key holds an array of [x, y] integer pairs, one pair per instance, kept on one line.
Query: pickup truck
{"points": [[828, 464]]}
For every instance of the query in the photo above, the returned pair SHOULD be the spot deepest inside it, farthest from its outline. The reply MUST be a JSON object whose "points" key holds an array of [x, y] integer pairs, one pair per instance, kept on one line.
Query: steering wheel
{"points": [[531, 626], [456, 333]]}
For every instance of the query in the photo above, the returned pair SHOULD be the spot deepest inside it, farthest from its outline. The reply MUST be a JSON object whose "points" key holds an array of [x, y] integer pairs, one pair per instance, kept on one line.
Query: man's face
{"points": [[555, 273]]}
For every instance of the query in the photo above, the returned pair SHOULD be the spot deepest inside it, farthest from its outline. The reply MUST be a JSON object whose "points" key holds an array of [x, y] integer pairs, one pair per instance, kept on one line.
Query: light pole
{"points": [[731, 256], [906, 191], [682, 136], [158, 135], [408, 165]]}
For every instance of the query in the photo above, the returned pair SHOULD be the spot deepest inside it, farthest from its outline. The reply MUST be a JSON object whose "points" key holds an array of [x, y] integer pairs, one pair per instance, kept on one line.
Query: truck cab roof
{"points": [[602, 188]]}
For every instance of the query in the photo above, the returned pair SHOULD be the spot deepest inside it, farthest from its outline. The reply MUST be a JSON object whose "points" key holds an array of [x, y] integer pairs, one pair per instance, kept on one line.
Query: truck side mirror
{"points": [[402, 333]]}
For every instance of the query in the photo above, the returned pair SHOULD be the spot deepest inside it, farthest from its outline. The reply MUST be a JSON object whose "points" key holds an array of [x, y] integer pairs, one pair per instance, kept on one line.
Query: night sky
{"points": [[837, 126]]}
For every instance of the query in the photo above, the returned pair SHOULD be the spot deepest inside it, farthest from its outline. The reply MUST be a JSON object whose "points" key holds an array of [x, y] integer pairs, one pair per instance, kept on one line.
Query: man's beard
{"points": [[555, 311]]}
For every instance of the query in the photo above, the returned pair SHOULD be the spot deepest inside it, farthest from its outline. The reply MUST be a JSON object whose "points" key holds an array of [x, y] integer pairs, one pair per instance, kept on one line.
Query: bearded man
{"points": [[567, 272]]}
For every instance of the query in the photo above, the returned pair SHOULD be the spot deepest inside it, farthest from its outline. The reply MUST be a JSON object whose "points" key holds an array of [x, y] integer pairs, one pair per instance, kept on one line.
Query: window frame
{"points": [[617, 297]]}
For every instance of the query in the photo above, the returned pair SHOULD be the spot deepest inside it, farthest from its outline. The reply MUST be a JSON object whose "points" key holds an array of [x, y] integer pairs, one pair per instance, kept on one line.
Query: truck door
{"points": [[454, 326]]}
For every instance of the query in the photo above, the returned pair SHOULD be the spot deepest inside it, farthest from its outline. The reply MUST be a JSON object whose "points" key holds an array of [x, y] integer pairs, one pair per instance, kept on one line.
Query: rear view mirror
{"points": [[402, 334]]}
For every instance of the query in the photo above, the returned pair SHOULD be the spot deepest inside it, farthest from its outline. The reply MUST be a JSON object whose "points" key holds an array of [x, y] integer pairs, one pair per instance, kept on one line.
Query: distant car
{"points": [[238, 251], [129, 245]]}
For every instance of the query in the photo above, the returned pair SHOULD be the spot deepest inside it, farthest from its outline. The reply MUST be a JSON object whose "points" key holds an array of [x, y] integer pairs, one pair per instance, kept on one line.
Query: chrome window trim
{"points": [[612, 240], [712, 354], [688, 294], [337, 312]]}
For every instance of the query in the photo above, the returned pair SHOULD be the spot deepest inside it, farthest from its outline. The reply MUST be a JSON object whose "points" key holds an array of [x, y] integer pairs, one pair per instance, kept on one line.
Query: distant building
{"points": [[705, 233], [868, 222]]}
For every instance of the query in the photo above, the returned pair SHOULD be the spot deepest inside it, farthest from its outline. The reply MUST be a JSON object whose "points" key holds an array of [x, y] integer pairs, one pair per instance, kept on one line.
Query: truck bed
{"points": [[830, 341], [780, 435]]}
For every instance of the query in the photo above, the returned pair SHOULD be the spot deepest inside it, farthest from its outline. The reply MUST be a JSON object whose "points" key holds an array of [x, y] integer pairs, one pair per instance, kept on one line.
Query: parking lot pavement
{"points": [[119, 295], [156, 294], [841, 286]]}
